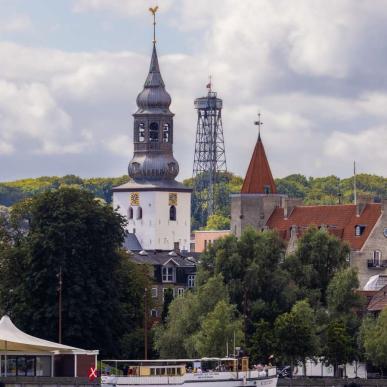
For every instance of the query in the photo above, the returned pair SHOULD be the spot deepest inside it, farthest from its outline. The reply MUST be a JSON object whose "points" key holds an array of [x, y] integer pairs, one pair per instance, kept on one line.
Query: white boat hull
{"points": [[210, 379]]}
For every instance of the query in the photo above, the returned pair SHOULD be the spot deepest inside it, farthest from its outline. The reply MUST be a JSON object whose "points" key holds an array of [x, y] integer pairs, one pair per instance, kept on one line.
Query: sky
{"points": [[316, 70]]}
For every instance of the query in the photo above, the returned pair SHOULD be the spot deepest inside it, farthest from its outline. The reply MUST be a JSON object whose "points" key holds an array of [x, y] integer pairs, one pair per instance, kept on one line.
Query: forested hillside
{"points": [[321, 190], [14, 191]]}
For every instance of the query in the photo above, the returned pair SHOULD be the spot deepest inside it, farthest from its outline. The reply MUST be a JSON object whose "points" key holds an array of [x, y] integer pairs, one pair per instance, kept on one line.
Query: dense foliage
{"points": [[15, 191], [289, 307], [68, 231], [322, 190]]}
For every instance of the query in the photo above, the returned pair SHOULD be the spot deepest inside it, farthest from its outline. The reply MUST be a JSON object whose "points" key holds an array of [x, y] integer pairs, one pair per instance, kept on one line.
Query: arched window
{"points": [[377, 258], [130, 213], [172, 213], [154, 132], [141, 132], [166, 133], [139, 213]]}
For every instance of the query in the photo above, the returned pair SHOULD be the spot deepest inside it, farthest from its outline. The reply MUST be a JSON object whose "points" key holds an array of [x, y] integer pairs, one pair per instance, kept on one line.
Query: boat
{"points": [[214, 372]]}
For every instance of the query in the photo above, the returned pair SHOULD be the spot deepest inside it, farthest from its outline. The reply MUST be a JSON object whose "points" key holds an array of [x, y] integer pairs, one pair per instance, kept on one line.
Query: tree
{"points": [[339, 346], [295, 333], [374, 339], [102, 295], [342, 297], [217, 331], [168, 298], [261, 344], [317, 258], [251, 268], [218, 222], [176, 338]]}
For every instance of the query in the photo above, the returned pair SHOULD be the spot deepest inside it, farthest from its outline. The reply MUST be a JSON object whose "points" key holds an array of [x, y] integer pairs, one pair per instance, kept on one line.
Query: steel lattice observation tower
{"points": [[210, 158]]}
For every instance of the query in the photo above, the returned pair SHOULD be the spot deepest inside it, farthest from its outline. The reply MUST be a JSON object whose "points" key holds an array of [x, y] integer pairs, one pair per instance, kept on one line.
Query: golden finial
{"points": [[153, 12]]}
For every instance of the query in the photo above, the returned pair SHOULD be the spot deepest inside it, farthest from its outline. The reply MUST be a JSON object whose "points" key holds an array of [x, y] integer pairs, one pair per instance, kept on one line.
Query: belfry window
{"points": [[172, 213], [139, 213], [166, 133], [154, 132], [141, 132], [266, 189], [130, 213]]}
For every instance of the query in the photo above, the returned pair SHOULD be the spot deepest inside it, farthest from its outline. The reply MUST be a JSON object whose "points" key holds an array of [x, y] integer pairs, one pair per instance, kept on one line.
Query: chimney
{"points": [[288, 205], [362, 201]]}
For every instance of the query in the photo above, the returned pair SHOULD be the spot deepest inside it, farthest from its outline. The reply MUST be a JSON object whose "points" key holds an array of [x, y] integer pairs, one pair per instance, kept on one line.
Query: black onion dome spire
{"points": [[153, 130], [154, 96]]}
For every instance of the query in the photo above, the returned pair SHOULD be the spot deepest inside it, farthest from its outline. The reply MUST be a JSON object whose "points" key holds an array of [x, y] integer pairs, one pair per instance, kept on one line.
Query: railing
{"points": [[374, 264]]}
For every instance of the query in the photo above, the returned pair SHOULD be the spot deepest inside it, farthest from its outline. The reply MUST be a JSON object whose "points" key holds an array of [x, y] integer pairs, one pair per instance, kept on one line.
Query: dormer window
{"points": [[168, 274], [266, 189], [359, 229], [154, 132], [141, 132], [166, 133]]}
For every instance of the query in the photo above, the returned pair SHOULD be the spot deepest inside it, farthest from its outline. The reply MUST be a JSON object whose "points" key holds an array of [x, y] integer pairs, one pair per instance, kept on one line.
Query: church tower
{"points": [[258, 197], [158, 208]]}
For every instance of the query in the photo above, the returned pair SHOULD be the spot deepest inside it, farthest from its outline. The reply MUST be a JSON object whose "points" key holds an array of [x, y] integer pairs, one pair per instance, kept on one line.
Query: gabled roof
{"points": [[378, 301], [258, 174], [158, 257], [339, 220]]}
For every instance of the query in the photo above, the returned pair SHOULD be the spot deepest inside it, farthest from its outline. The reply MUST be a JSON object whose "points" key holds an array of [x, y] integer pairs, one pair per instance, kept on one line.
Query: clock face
{"points": [[385, 232]]}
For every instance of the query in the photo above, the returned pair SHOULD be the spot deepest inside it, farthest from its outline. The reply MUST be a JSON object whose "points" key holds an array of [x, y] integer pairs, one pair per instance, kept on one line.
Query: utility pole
{"points": [[59, 275], [145, 324]]}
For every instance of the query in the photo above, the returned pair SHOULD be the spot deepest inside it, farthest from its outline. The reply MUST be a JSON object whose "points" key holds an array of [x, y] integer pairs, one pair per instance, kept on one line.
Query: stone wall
{"points": [[376, 241]]}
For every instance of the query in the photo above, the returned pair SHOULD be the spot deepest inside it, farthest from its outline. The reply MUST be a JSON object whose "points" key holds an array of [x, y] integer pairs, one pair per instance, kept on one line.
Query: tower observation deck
{"points": [[210, 158]]}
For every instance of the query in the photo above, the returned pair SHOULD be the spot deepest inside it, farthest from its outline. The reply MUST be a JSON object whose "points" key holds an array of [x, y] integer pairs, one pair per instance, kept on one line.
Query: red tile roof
{"points": [[258, 174], [340, 220], [379, 301]]}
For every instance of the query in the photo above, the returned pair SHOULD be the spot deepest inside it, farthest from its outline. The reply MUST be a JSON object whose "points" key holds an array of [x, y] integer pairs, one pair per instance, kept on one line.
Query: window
{"points": [[191, 280], [166, 133], [172, 213], [168, 274], [266, 189], [154, 292], [377, 257], [154, 132], [141, 132], [153, 313], [180, 292], [130, 213], [359, 229], [139, 213]]}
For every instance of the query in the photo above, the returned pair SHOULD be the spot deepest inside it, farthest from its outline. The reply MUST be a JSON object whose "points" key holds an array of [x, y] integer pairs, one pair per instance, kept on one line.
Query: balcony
{"points": [[374, 264]]}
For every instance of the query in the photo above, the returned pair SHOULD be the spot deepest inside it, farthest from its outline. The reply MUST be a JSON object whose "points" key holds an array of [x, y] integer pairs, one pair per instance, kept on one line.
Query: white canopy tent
{"points": [[14, 340]]}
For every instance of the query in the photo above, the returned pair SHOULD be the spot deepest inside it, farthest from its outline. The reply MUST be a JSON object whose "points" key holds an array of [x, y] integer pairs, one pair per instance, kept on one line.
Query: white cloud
{"points": [[315, 69], [119, 7], [15, 23]]}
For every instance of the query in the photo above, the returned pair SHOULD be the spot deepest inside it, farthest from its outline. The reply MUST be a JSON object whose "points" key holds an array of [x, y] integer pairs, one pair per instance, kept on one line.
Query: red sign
{"points": [[92, 373]]}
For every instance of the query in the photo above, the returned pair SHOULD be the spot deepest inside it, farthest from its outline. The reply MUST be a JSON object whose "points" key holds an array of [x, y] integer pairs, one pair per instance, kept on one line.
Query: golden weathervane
{"points": [[153, 12]]}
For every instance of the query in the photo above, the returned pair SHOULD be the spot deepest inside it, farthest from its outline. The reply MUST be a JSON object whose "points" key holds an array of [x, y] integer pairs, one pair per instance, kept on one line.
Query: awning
{"points": [[13, 339]]}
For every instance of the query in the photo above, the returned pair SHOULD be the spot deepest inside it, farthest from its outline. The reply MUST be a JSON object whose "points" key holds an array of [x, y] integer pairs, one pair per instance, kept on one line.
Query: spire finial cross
{"points": [[153, 12], [259, 123]]}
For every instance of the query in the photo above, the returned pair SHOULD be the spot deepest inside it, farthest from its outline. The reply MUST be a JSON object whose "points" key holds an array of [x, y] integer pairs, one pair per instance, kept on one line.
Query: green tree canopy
{"points": [[295, 333], [102, 293], [218, 222], [319, 255]]}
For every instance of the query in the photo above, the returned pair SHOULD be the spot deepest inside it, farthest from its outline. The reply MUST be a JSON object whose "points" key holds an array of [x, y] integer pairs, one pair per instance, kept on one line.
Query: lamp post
{"points": [[59, 275], [145, 324]]}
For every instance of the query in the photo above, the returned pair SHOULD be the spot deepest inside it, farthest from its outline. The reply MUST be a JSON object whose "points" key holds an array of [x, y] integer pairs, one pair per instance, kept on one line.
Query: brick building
{"points": [[362, 225]]}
